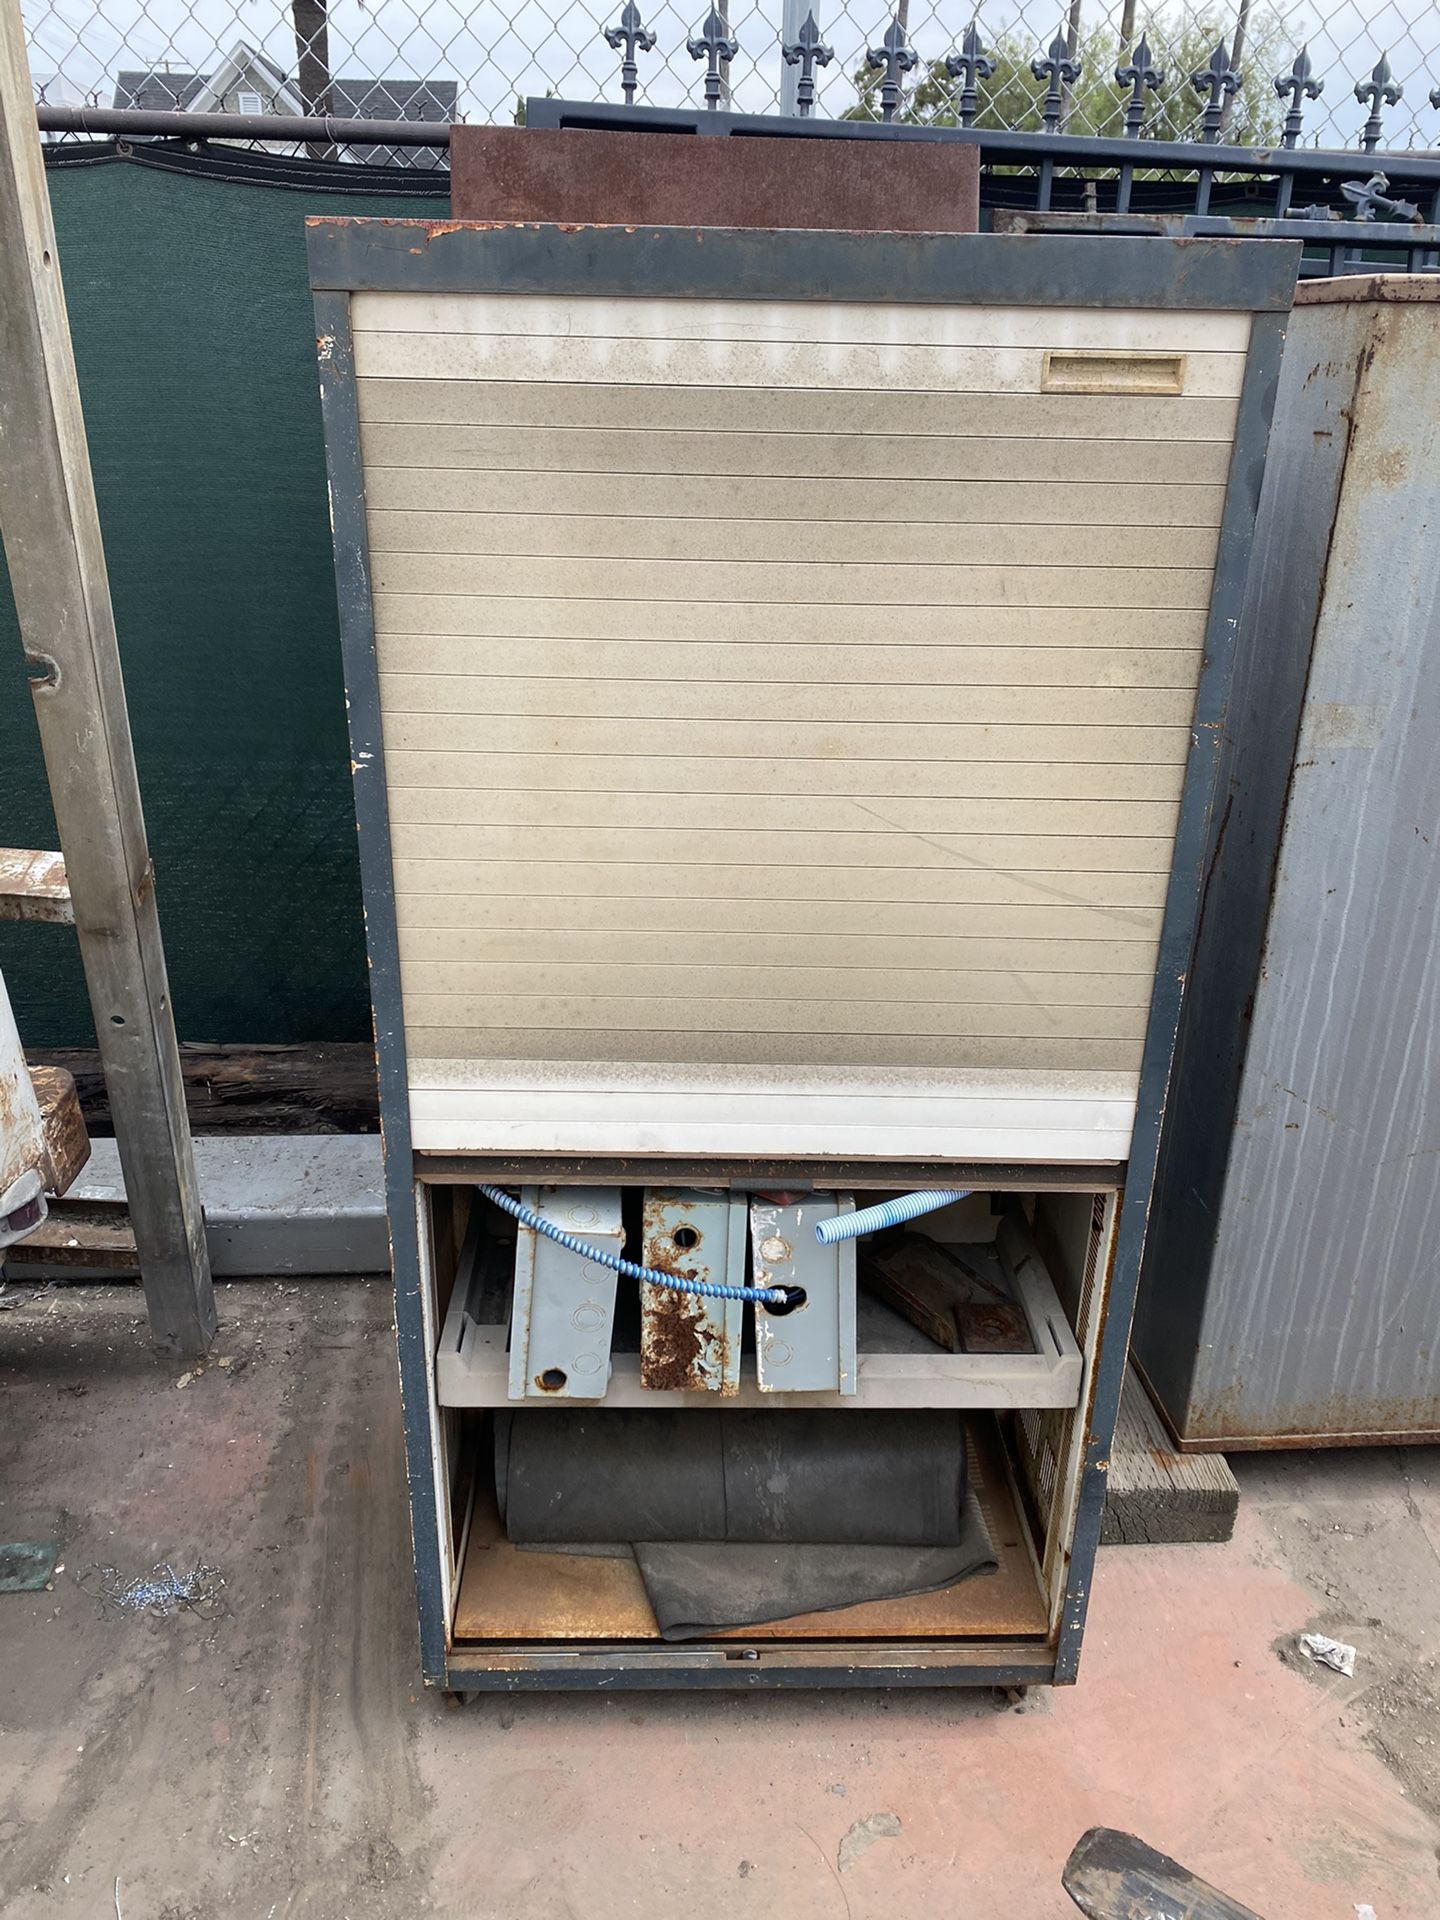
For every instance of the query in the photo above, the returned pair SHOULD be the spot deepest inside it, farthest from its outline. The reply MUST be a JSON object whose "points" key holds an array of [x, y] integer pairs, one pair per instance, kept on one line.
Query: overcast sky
{"points": [[498, 51]]}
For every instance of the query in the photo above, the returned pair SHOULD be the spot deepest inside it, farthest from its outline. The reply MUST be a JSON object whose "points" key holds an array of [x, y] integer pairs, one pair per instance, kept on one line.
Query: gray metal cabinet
{"points": [[783, 676], [1291, 1291]]}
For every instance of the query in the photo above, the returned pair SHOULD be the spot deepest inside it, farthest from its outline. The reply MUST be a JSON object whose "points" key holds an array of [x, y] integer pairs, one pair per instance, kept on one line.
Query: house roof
{"points": [[157, 92], [245, 67], [351, 98]]}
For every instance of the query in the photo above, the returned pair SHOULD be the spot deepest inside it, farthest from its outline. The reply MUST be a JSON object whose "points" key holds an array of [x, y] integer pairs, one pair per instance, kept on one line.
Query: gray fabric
{"points": [[697, 1590], [823, 1477]]}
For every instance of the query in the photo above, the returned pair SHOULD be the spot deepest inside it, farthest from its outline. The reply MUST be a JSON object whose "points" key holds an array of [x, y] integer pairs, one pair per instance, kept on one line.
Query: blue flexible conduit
{"points": [[889, 1213], [709, 1290]]}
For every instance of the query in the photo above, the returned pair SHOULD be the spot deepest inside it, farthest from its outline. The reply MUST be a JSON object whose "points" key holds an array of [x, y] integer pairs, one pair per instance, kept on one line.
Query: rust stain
{"points": [[681, 1349], [674, 1349]]}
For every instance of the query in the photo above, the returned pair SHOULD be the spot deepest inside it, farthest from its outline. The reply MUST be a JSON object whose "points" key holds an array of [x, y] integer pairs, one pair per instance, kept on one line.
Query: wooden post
{"points": [[57, 569]]}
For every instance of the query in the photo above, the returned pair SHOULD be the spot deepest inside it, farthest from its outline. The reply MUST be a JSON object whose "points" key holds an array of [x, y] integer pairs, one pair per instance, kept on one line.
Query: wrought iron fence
{"points": [[1339, 73]]}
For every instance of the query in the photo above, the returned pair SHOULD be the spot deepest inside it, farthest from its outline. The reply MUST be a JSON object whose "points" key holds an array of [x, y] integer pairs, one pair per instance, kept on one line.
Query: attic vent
{"points": [[248, 102], [1114, 373]]}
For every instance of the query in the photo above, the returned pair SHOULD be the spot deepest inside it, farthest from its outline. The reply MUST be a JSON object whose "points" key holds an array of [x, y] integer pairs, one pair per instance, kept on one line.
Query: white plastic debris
{"points": [[1329, 1653], [1364, 1912]]}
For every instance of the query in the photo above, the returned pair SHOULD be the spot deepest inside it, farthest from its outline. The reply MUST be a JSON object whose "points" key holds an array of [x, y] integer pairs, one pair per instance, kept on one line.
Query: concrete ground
{"points": [[282, 1759]]}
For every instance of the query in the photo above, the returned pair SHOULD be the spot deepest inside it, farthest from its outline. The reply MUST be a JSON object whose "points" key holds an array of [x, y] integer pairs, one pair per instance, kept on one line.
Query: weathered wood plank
{"points": [[33, 886], [1158, 1497], [62, 598], [67, 1144], [246, 1089]]}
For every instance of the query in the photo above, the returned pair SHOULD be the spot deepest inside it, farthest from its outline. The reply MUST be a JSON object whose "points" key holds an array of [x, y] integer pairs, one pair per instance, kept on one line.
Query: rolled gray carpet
{"points": [[827, 1477]]}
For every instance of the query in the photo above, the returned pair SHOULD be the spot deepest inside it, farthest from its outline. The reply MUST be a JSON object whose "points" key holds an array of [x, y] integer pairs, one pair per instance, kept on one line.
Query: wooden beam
{"points": [[33, 886], [324, 1087], [67, 1145], [62, 595], [1157, 1497]]}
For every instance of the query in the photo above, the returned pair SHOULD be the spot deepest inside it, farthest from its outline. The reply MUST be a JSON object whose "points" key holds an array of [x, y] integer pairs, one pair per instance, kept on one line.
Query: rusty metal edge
{"points": [[471, 256], [990, 1663]]}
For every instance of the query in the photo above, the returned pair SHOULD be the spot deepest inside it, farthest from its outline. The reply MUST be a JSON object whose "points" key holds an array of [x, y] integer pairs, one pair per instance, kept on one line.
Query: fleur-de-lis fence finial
{"points": [[1381, 89], [1370, 198], [1060, 71], [1139, 73], [1297, 85], [808, 51], [970, 64], [713, 45], [1222, 82], [633, 35], [892, 57]]}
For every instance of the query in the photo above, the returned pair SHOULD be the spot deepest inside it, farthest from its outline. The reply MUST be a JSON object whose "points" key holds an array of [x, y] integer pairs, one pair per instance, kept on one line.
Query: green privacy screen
{"points": [[190, 307]]}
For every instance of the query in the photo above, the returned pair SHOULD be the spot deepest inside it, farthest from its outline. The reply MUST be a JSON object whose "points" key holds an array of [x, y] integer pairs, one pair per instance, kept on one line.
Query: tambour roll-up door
{"points": [[785, 704]]}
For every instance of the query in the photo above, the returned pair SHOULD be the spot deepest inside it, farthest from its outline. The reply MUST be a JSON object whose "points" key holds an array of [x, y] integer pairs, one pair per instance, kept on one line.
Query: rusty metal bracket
{"points": [[686, 1341]]}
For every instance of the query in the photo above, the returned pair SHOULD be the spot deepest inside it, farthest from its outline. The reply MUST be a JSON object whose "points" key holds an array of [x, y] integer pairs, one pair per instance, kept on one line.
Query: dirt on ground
{"points": [[276, 1755]]}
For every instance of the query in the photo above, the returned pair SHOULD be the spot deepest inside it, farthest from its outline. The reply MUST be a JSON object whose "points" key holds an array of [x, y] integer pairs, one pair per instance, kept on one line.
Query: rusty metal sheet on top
{"points": [[674, 180], [687, 1342]]}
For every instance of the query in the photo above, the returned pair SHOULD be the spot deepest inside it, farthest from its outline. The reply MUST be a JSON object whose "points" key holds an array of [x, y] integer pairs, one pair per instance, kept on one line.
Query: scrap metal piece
{"points": [[1112, 1876], [563, 1313], [808, 1348], [689, 1343]]}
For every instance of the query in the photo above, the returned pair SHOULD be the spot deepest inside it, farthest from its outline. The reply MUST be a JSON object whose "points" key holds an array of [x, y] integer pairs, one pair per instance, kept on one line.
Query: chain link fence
{"points": [[449, 60]]}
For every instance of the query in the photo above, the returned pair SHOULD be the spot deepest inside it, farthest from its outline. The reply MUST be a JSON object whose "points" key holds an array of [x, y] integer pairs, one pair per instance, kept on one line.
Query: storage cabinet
{"points": [[783, 671]]}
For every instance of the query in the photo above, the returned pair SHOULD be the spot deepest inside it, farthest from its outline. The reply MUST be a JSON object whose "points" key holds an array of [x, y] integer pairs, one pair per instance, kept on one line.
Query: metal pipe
{"points": [[293, 128]]}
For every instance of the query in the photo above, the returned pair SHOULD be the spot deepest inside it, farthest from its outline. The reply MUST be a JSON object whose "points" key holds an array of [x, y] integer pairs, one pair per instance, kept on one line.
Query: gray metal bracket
{"points": [[563, 1313], [809, 1348]]}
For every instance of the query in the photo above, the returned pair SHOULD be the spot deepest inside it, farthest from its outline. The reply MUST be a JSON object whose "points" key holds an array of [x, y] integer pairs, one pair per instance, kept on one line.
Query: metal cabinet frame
{"points": [[348, 256]]}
